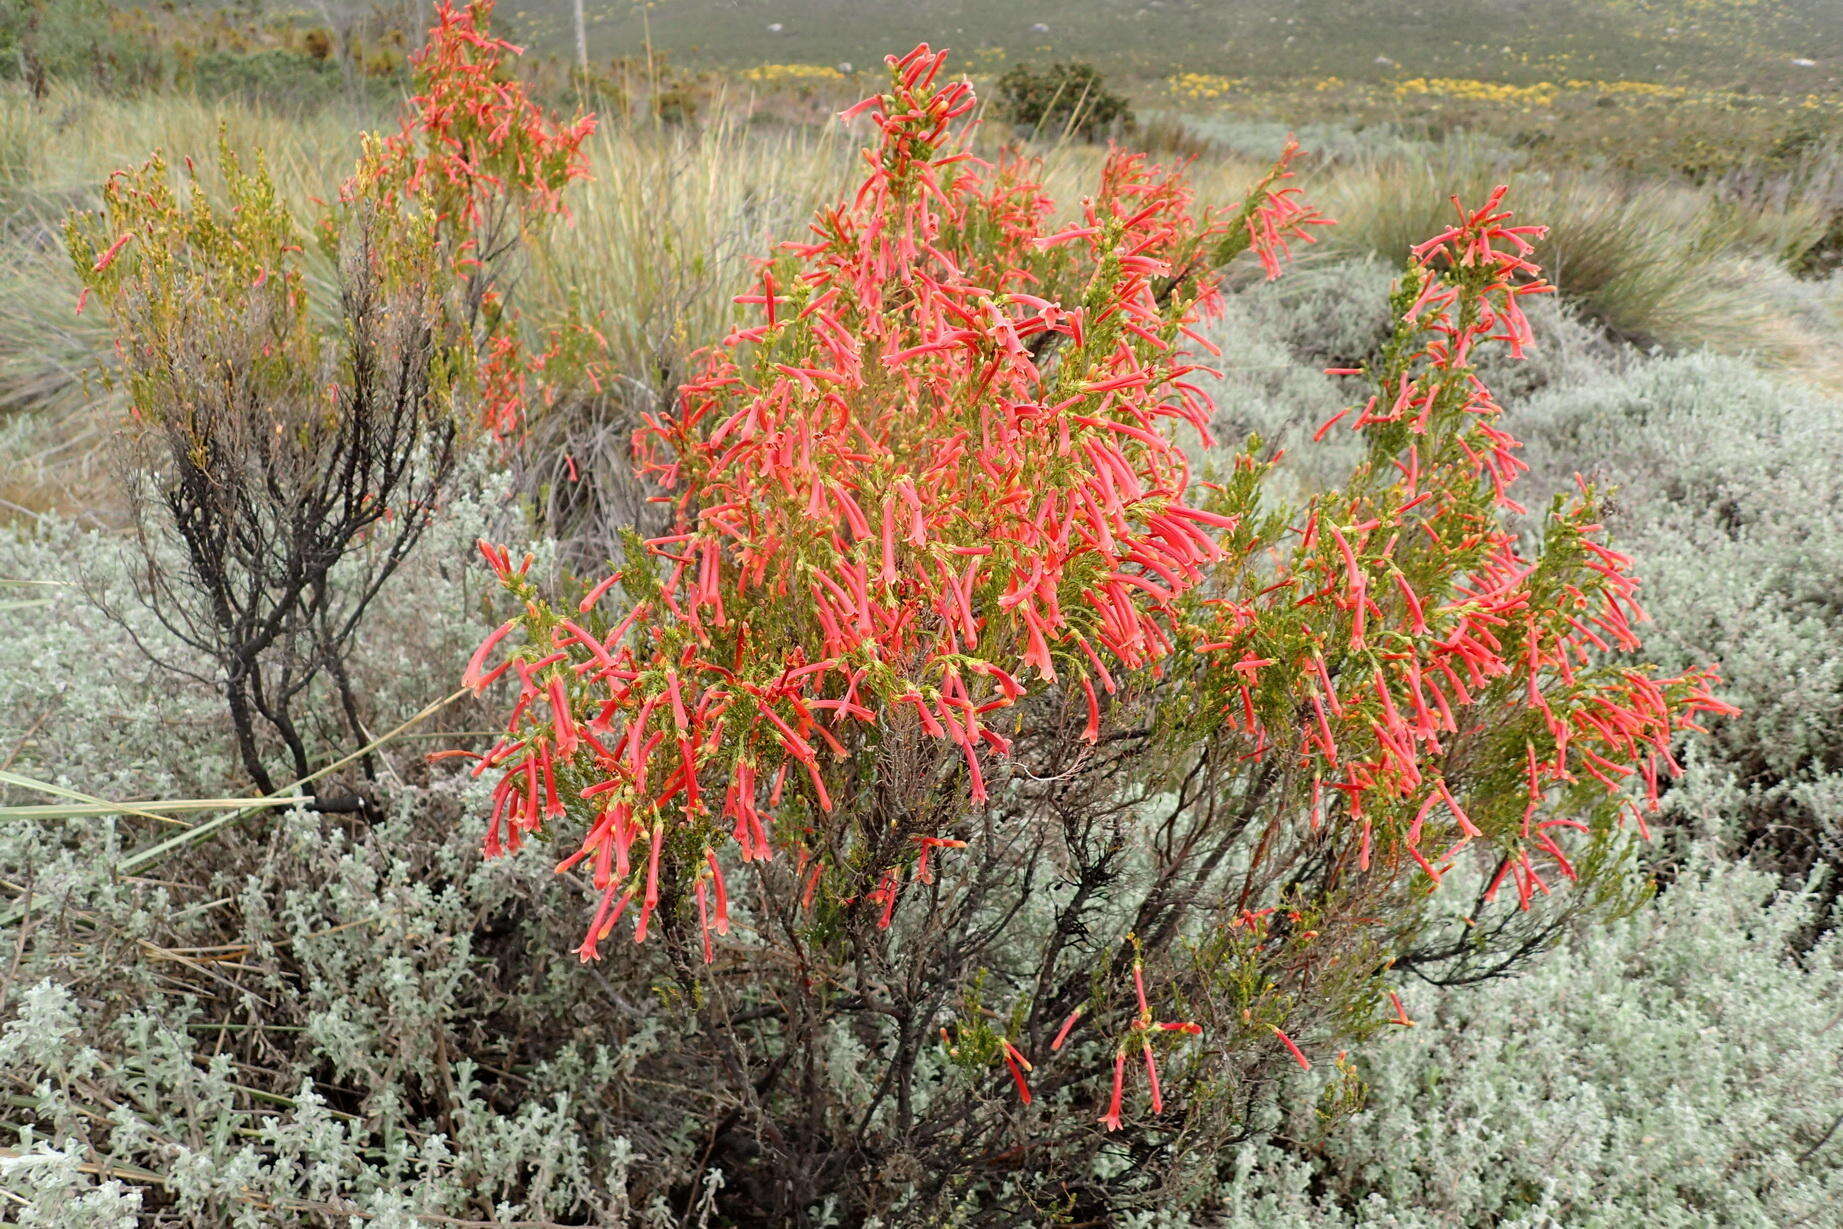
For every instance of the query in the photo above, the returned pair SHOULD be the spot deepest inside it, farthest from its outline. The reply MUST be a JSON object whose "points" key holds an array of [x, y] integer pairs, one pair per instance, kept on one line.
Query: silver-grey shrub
{"points": [[302, 1019], [1677, 1068]]}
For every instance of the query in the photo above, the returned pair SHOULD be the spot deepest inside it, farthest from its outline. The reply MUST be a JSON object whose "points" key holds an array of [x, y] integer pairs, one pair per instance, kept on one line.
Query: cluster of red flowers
{"points": [[938, 474], [1405, 622], [486, 164], [916, 483], [1274, 216], [1143, 1029], [472, 142]]}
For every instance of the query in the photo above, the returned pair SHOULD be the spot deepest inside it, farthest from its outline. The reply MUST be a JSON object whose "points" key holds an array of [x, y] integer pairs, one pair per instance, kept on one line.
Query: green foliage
{"points": [[677, 104], [42, 39], [271, 73], [1066, 98]]}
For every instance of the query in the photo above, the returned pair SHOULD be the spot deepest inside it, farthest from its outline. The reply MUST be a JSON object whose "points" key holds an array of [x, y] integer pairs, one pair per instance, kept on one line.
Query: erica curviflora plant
{"points": [[988, 768], [292, 450]]}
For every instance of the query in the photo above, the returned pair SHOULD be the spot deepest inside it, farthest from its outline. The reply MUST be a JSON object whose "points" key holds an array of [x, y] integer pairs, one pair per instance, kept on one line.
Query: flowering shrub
{"points": [[949, 624], [977, 488], [295, 460], [480, 162]]}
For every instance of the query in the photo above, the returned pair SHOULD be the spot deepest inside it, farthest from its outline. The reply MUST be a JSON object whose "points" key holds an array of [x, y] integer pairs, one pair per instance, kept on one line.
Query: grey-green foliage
{"points": [[1266, 387], [83, 705], [302, 1019], [1677, 1068], [341, 1068]]}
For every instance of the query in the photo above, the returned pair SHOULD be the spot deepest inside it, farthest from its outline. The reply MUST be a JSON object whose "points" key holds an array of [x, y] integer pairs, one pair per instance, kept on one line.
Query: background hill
{"points": [[1748, 45]]}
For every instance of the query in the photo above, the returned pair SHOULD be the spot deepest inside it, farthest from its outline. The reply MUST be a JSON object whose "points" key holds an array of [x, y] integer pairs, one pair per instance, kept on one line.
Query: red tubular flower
{"points": [[1151, 1075], [110, 253], [1401, 1013], [702, 892], [1062, 1034], [476, 675], [722, 924], [1298, 1054], [1018, 1065], [1478, 636], [1111, 1119], [596, 594], [1277, 216]]}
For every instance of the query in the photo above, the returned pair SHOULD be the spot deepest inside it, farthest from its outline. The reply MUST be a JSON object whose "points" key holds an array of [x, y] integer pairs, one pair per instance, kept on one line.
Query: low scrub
{"points": [[1675, 1068], [1062, 100]]}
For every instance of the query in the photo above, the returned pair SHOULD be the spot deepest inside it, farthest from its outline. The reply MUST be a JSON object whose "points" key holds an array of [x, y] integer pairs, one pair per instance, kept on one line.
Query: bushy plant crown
{"points": [[295, 446], [433, 209], [935, 495]]}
